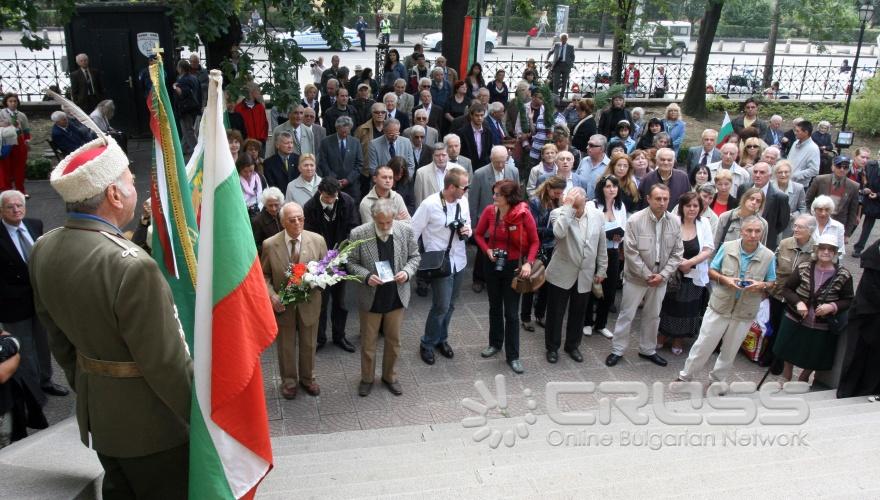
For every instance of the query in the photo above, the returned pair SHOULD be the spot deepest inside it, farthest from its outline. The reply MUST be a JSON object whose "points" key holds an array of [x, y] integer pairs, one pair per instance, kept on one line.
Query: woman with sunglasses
{"points": [[751, 152]]}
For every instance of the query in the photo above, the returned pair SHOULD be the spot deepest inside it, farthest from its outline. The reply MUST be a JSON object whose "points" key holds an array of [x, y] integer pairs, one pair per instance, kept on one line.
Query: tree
{"points": [[694, 102], [21, 16]]}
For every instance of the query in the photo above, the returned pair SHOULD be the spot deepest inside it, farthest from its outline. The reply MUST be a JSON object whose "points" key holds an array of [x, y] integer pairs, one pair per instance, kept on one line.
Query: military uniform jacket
{"points": [[100, 296]]}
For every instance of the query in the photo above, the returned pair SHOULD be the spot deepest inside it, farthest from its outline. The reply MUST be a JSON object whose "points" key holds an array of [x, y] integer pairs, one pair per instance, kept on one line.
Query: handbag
{"points": [[435, 263], [674, 282], [536, 278]]}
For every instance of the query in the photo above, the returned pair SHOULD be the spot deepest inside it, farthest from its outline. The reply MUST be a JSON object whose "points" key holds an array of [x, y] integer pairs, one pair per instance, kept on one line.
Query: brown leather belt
{"points": [[112, 369]]}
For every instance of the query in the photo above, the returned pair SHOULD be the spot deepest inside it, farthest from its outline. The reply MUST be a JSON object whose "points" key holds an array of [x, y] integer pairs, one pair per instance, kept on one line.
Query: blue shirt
{"points": [[13, 235], [744, 260]]}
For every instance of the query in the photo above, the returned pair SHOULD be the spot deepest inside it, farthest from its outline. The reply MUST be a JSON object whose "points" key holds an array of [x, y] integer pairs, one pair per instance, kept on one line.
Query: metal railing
{"points": [[29, 75]]}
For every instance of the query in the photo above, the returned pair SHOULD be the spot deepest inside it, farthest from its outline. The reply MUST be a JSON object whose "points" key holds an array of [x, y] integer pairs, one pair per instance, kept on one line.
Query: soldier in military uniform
{"points": [[112, 327]]}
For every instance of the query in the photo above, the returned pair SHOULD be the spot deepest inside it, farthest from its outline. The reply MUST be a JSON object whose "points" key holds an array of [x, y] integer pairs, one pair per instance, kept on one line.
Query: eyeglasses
{"points": [[825, 248], [799, 226], [418, 137], [842, 165], [751, 146], [465, 187], [593, 146], [380, 112]]}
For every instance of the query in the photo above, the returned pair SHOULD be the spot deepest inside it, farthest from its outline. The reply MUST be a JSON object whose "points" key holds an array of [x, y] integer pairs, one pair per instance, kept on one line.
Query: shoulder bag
{"points": [[535, 280], [435, 263]]}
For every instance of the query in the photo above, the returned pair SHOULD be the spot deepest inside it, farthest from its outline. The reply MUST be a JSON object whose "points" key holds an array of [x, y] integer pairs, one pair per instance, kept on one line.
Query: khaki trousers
{"points": [[296, 347], [370, 323], [629, 304], [714, 328]]}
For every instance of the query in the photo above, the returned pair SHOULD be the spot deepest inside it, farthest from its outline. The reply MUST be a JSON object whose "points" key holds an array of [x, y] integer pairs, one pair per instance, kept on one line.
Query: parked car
{"points": [[434, 41], [735, 86], [311, 39], [666, 37]]}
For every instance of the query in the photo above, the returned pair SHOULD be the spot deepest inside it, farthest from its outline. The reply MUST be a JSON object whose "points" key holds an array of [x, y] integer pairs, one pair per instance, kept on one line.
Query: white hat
{"points": [[89, 170], [828, 239]]}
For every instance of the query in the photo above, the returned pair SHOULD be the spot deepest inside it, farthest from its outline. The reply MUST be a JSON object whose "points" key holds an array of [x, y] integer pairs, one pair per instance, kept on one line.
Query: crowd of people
{"points": [[594, 200]]}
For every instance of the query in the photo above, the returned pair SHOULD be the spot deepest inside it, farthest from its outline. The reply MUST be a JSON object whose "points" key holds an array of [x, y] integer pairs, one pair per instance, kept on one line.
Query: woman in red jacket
{"points": [[253, 112], [507, 234]]}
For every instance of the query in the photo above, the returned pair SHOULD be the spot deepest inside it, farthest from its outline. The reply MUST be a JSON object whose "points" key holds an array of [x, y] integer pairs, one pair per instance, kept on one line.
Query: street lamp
{"points": [[866, 11]]}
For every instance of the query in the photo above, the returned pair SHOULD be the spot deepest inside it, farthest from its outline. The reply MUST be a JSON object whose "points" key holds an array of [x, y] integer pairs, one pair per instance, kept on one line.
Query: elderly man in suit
{"points": [[564, 169], [435, 111], [303, 137], [282, 167], [86, 88], [297, 323], [341, 156], [390, 102], [429, 179], [653, 250], [113, 328], [405, 101], [453, 149], [561, 60], [422, 153], [318, 132], [579, 260], [67, 135], [389, 145], [17, 313], [385, 263], [332, 214], [705, 153], [476, 139], [420, 117], [842, 190], [480, 197], [729, 152], [777, 211]]}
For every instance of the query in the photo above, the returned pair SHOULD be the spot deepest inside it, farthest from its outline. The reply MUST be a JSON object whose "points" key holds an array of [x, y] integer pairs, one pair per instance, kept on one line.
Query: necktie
{"points": [[391, 150], [296, 144], [294, 251], [705, 159], [284, 159], [88, 76], [24, 242], [342, 150]]}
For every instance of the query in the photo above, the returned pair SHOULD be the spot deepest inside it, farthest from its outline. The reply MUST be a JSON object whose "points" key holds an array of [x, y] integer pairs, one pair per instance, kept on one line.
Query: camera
{"points": [[455, 226], [500, 259], [743, 283], [9, 347]]}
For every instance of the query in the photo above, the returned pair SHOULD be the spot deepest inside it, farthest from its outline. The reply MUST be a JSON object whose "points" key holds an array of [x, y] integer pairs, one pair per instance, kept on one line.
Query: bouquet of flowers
{"points": [[302, 278]]}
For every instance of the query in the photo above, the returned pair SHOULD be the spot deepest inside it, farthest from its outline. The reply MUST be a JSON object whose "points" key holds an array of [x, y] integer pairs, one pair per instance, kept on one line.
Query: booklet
{"points": [[384, 271]]}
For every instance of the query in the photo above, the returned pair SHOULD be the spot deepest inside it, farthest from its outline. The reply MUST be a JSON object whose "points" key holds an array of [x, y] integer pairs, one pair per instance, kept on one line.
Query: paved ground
{"points": [[432, 394]]}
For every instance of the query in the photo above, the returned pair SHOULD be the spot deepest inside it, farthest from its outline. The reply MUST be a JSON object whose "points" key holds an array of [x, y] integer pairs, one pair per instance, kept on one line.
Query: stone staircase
{"points": [[838, 458]]}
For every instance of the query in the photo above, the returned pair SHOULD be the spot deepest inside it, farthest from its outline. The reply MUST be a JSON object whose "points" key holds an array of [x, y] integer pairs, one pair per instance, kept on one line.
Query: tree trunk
{"points": [[216, 51], [771, 45], [617, 46], [603, 27], [694, 102]]}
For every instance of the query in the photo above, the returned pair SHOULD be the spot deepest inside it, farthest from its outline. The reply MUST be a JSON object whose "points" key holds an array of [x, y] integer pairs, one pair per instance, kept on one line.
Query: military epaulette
{"points": [[47, 233], [127, 251]]}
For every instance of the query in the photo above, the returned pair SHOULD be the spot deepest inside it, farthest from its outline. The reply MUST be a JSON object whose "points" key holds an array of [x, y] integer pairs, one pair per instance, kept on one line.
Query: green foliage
{"points": [[423, 7], [746, 13], [38, 169], [786, 108], [864, 114], [23, 16], [601, 99]]}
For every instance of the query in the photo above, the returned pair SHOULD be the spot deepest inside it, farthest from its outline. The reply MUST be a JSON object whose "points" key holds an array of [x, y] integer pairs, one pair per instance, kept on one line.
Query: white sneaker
{"points": [[588, 331], [606, 333]]}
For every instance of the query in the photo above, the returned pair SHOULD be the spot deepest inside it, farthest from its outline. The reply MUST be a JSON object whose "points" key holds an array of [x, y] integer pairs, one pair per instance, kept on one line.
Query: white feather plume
{"points": [[74, 111]]}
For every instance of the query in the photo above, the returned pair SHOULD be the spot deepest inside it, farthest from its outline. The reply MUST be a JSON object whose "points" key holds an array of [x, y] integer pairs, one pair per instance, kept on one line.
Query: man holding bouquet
{"points": [[298, 321], [385, 262]]}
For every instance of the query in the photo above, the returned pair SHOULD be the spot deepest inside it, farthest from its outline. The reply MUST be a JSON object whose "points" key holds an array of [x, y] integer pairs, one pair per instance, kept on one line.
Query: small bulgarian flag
{"points": [[230, 450], [726, 130]]}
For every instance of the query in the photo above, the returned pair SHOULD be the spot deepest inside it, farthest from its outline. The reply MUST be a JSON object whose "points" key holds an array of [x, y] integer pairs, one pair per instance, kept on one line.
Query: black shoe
{"points": [[576, 355], [344, 344], [857, 253], [427, 355], [552, 356], [539, 322], [320, 343], [364, 389], [477, 287], [654, 358], [53, 389], [445, 350], [776, 367], [421, 291], [612, 359]]}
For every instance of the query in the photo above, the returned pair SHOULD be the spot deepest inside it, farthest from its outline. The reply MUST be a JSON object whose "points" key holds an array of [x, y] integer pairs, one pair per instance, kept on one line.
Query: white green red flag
{"points": [[230, 450], [726, 130], [175, 233]]}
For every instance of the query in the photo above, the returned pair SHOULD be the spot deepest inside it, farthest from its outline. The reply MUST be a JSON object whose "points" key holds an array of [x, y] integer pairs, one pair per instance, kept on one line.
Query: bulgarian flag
{"points": [[175, 234], [230, 451], [726, 130]]}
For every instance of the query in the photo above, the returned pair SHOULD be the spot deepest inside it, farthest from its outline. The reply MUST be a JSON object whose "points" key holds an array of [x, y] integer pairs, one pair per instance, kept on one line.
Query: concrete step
{"points": [[422, 465]]}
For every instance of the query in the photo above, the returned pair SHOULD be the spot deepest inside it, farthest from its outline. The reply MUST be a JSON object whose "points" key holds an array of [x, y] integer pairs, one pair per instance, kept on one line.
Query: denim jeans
{"points": [[503, 309], [444, 294]]}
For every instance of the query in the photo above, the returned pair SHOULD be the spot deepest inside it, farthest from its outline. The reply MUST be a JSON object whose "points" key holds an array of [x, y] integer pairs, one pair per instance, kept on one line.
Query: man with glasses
{"points": [[422, 154], [594, 163], [420, 117], [303, 138], [842, 190], [777, 211], [372, 129], [390, 101], [443, 221], [729, 152], [434, 111], [309, 120], [389, 145]]}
